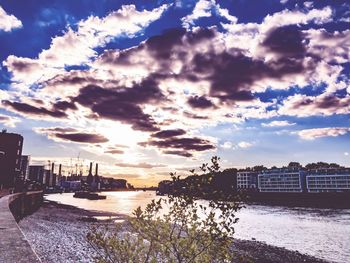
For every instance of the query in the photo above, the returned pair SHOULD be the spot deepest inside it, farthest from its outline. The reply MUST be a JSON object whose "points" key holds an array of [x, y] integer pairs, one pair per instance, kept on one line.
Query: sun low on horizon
{"points": [[145, 88]]}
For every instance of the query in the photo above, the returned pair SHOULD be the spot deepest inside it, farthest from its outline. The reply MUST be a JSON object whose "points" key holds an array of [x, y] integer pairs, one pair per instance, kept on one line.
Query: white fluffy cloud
{"points": [[229, 145], [8, 22], [311, 134], [187, 79], [244, 144], [226, 145], [77, 47], [277, 124], [206, 8]]}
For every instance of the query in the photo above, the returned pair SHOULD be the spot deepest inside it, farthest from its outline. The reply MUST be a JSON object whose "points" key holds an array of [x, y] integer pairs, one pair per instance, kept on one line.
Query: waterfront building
{"points": [[90, 177], [59, 175], [247, 180], [71, 185], [24, 166], [328, 180], [36, 173], [282, 180], [10, 156], [96, 181]]}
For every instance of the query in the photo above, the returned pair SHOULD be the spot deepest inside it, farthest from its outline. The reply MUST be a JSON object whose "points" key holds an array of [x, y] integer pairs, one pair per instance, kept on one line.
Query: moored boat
{"points": [[89, 195]]}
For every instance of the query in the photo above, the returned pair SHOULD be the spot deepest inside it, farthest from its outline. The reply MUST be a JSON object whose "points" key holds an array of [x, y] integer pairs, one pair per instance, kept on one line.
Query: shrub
{"points": [[179, 228]]}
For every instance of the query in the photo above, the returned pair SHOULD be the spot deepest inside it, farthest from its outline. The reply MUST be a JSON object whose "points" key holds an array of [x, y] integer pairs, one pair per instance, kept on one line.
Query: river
{"points": [[323, 233]]}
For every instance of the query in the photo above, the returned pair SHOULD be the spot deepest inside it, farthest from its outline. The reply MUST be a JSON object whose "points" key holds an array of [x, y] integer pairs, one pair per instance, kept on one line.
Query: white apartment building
{"points": [[247, 180], [281, 180], [317, 183]]}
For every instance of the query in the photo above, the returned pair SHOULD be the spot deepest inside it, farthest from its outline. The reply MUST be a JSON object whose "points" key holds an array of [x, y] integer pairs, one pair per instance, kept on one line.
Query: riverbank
{"points": [[58, 234]]}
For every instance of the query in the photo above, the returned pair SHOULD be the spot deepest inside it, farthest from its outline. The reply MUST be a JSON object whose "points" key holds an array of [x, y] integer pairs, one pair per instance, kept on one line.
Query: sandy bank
{"points": [[58, 235]]}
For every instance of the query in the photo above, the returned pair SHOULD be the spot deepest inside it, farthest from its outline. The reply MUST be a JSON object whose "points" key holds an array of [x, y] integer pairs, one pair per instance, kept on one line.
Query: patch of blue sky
{"points": [[280, 94], [77, 67], [250, 11]]}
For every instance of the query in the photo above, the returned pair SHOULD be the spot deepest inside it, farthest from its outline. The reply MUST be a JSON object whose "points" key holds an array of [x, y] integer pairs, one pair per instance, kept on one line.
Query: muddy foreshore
{"points": [[58, 232]]}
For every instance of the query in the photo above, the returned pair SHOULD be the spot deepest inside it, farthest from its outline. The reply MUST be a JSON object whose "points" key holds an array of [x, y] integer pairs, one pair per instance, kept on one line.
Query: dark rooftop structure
{"points": [[10, 156]]}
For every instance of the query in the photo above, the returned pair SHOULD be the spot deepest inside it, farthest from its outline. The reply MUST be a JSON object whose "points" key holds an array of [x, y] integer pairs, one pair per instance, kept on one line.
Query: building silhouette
{"points": [[90, 177], [10, 158], [36, 173], [25, 160]]}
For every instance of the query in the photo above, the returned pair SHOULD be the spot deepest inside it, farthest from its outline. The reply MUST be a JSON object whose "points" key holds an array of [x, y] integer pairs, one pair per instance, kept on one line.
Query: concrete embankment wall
{"points": [[14, 247]]}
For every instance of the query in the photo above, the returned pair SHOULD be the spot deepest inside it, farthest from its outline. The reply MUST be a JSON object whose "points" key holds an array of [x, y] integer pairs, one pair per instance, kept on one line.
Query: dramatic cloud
{"points": [[278, 124], [9, 121], [206, 8], [168, 133], [200, 102], [182, 146], [77, 47], [73, 135], [140, 165], [163, 92], [8, 22], [311, 134], [325, 104], [116, 149], [123, 103], [28, 109]]}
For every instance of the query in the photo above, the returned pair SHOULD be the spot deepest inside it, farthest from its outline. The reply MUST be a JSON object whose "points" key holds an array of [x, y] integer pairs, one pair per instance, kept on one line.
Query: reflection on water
{"points": [[324, 233]]}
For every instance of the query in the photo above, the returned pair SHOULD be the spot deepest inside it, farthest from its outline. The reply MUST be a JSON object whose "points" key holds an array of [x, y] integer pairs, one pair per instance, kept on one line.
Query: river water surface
{"points": [[323, 233]]}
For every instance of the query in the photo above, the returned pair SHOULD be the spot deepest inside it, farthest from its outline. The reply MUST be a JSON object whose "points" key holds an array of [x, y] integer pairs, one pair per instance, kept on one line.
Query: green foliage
{"points": [[178, 228]]}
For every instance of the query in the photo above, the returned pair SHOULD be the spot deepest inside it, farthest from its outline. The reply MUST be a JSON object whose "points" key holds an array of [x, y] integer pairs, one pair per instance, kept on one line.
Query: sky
{"points": [[145, 88]]}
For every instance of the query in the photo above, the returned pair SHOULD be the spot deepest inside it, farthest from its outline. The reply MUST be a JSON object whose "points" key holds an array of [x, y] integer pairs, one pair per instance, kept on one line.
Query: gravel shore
{"points": [[58, 232]]}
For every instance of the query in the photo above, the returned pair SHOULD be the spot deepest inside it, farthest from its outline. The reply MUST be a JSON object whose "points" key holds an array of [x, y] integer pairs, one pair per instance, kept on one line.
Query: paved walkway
{"points": [[3, 192], [14, 247]]}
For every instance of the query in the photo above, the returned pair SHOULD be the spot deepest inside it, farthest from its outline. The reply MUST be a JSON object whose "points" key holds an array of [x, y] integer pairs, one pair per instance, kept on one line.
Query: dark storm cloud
{"points": [[231, 73], [161, 46], [122, 103], [200, 102], [168, 133], [116, 149], [190, 144], [81, 137], [179, 153], [59, 130], [286, 40], [64, 105], [25, 108], [180, 146], [332, 102], [74, 135], [4, 118], [323, 102]]}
